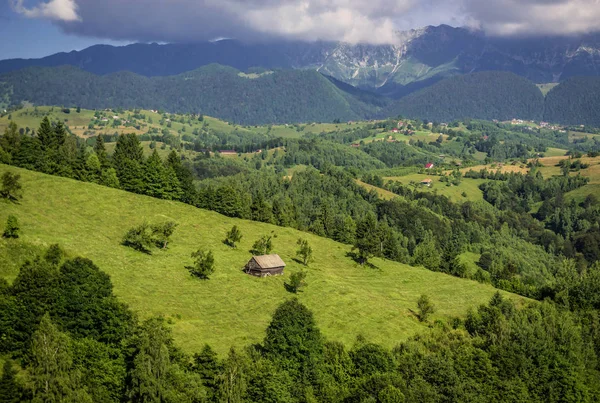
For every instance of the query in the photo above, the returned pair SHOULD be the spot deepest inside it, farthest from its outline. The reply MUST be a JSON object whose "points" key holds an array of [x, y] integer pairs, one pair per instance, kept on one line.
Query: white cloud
{"points": [[58, 10], [367, 21], [535, 17]]}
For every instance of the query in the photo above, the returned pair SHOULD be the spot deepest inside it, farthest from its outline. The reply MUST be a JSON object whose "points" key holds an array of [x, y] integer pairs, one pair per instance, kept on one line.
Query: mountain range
{"points": [[437, 73], [417, 59]]}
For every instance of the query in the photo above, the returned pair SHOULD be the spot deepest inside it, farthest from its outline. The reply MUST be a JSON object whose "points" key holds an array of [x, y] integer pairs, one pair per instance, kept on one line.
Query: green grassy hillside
{"points": [[231, 308]]}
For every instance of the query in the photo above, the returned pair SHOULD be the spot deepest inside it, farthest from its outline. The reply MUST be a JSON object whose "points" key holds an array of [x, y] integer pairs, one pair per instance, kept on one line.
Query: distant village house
{"points": [[426, 182], [429, 165], [265, 266]]}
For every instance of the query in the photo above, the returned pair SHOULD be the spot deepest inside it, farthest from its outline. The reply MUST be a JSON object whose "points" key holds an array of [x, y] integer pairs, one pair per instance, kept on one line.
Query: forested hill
{"points": [[485, 95], [576, 101], [284, 96]]}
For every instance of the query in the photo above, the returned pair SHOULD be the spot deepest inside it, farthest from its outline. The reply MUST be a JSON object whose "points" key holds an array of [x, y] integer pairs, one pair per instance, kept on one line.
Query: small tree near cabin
{"points": [[12, 227], [296, 281], [233, 236], [263, 246], [11, 186], [425, 308], [204, 264], [305, 251]]}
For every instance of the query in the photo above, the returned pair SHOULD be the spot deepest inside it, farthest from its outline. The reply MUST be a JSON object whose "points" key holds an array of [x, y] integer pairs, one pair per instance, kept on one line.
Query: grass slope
{"points": [[231, 308]]}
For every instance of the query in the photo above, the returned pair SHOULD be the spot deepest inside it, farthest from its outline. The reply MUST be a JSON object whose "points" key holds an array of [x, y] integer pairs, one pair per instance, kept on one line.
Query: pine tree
{"points": [[155, 177], [45, 134], [100, 150], [206, 364], [367, 240], [189, 193]]}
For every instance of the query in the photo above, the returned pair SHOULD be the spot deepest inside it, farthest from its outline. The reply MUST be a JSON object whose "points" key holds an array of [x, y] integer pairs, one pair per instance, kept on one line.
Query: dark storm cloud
{"points": [[372, 21]]}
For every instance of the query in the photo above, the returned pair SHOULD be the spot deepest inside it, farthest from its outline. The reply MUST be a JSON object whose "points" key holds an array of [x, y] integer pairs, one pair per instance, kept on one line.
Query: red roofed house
{"points": [[394, 130], [429, 165]]}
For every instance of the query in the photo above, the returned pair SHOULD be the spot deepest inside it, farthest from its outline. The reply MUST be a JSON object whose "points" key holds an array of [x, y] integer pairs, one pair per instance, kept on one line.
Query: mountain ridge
{"points": [[419, 56]]}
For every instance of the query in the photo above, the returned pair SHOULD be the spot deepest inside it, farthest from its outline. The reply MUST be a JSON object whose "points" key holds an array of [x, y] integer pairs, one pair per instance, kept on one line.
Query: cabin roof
{"points": [[269, 261]]}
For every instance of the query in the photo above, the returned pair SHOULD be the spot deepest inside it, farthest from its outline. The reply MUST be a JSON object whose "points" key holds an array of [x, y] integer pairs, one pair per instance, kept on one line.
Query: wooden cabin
{"points": [[265, 266]]}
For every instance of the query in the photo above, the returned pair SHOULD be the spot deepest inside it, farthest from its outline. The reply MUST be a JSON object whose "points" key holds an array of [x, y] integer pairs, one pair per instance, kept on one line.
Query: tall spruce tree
{"points": [[100, 150], [367, 238], [155, 177], [45, 134]]}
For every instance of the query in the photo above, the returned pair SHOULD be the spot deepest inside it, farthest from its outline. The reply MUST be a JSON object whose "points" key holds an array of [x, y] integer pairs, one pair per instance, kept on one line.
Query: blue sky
{"points": [[22, 37]]}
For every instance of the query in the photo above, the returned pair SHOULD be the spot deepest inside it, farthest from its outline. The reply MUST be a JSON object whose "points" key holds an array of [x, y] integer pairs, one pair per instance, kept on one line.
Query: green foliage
{"points": [[425, 308], [145, 236], [483, 95], [297, 282], [12, 228], [234, 235], [281, 97], [11, 186], [292, 336], [139, 238], [11, 391], [574, 102], [263, 246], [305, 252], [204, 264], [155, 375], [367, 239], [53, 377]]}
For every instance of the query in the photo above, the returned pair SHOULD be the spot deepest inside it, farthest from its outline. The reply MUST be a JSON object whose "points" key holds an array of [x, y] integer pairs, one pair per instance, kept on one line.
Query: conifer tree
{"points": [[45, 134], [100, 150], [155, 177], [367, 240]]}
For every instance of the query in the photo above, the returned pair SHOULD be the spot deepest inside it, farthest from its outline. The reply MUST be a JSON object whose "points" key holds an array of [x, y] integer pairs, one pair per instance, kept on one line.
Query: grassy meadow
{"points": [[469, 186], [231, 308]]}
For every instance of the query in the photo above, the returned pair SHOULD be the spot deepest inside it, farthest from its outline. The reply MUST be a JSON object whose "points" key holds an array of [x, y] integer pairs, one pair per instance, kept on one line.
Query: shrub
{"points": [[233, 236], [12, 227], [425, 308], [11, 186], [139, 238], [296, 281], [263, 246], [145, 236], [204, 264]]}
